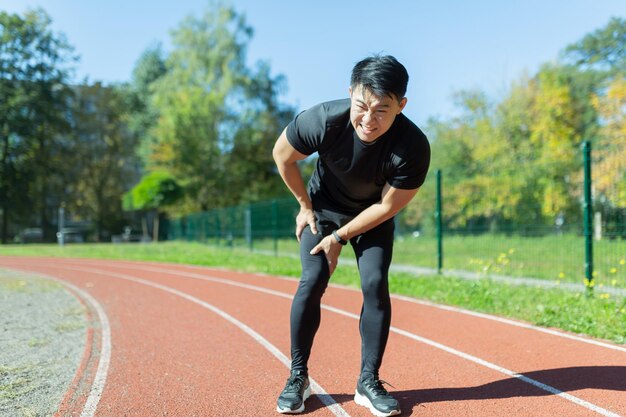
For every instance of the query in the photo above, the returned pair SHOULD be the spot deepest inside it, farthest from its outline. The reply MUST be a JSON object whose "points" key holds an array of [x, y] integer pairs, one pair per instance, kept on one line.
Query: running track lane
{"points": [[172, 355]]}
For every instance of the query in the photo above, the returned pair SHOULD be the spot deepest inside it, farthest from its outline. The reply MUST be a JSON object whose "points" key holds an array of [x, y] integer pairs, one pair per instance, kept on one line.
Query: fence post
{"points": [[218, 226], [249, 226], [275, 225], [438, 216], [60, 234], [587, 215], [230, 235]]}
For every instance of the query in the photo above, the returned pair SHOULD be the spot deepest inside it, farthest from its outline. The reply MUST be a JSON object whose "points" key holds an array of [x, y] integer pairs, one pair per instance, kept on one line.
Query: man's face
{"points": [[372, 116]]}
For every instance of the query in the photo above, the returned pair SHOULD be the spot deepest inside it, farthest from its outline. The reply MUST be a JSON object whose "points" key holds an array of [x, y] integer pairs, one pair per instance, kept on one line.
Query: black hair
{"points": [[382, 75]]}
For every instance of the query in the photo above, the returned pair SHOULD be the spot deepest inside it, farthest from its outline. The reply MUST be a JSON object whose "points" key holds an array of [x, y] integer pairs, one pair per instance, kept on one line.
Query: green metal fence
{"points": [[590, 247], [266, 225]]}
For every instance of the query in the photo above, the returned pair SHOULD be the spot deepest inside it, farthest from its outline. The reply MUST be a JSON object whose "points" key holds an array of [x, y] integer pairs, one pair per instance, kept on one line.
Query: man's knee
{"points": [[374, 285], [311, 286]]}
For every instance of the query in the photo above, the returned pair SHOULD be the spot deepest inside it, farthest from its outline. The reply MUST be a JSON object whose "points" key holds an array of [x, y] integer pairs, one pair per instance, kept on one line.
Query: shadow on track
{"points": [[610, 378]]}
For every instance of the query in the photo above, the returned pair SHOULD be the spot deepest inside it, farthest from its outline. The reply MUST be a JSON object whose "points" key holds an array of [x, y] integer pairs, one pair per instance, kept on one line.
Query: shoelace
{"points": [[377, 386], [294, 384]]}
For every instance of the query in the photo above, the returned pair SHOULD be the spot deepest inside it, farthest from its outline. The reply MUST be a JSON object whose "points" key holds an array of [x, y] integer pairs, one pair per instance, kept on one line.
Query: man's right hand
{"points": [[305, 218]]}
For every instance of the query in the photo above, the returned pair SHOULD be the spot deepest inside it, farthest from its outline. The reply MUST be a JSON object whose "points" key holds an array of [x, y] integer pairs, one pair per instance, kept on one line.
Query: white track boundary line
{"points": [[553, 332], [324, 397], [512, 323], [105, 351], [455, 352], [105, 355]]}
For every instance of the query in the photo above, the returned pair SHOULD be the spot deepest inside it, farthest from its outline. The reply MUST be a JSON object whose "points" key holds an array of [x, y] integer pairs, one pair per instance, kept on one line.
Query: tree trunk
{"points": [[5, 222], [155, 227], [144, 227], [4, 187], [4, 207], [44, 174]]}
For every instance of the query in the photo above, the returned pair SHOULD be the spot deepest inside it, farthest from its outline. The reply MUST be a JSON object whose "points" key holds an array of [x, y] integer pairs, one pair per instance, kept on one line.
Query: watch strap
{"points": [[339, 239]]}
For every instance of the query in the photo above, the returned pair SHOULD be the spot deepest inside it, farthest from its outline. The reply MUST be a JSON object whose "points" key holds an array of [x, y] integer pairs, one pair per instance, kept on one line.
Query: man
{"points": [[372, 161]]}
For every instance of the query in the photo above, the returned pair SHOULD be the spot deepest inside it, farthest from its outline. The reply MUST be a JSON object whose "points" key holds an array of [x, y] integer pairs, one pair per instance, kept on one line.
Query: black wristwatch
{"points": [[339, 239]]}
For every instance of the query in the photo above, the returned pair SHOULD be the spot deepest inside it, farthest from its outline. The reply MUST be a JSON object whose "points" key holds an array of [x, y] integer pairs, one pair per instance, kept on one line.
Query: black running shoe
{"points": [[370, 393], [297, 390]]}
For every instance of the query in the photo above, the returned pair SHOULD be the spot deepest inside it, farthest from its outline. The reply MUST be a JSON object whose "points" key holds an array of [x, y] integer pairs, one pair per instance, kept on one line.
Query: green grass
{"points": [[551, 257], [599, 315]]}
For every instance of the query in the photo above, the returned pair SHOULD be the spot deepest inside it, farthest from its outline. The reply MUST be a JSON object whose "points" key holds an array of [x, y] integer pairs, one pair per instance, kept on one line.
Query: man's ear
{"points": [[350, 91], [402, 104]]}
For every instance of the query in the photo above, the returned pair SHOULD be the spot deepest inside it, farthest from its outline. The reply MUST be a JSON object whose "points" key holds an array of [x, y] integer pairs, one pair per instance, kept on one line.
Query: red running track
{"points": [[175, 340]]}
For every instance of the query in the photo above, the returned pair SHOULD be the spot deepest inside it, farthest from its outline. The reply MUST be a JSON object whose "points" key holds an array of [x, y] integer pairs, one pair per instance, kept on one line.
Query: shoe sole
{"points": [[365, 402], [305, 395]]}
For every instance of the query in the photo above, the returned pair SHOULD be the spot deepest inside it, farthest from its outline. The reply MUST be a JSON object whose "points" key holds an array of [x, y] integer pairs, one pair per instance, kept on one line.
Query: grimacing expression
{"points": [[372, 116]]}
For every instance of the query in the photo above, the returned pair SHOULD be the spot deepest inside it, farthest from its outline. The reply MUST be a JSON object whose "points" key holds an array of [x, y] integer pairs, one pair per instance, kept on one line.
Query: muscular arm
{"points": [[286, 158], [391, 202]]}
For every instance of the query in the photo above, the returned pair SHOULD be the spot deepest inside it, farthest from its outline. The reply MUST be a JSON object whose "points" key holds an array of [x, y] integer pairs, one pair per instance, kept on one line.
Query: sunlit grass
{"points": [[554, 258]]}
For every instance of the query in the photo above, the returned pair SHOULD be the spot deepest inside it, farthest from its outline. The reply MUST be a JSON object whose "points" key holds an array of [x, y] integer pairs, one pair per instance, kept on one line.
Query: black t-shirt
{"points": [[350, 174]]}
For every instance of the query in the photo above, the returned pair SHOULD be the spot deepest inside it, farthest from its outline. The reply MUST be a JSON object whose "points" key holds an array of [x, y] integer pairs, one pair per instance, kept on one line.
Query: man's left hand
{"points": [[332, 250]]}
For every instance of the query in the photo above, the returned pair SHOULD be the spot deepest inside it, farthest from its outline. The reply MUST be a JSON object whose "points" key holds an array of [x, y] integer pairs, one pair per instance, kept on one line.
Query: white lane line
{"points": [[521, 377], [512, 323], [105, 355], [105, 352], [324, 397], [136, 265], [415, 337]]}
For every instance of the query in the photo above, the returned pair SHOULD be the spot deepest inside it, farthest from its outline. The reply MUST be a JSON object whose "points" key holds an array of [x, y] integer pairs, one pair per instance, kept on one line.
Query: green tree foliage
{"points": [[35, 64], [601, 57], [470, 149], [102, 154], [557, 140], [610, 171], [518, 162], [143, 115], [199, 113], [156, 191], [216, 118], [602, 50]]}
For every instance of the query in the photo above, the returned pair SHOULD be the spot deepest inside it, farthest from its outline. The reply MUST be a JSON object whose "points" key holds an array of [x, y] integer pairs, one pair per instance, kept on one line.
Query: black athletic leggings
{"points": [[373, 251]]}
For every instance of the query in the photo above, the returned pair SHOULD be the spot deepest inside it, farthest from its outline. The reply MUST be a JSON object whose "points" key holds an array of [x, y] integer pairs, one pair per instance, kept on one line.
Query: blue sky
{"points": [[446, 45]]}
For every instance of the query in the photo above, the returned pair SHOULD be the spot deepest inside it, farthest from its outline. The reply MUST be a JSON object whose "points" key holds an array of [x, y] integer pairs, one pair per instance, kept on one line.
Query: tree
{"points": [[103, 151], [251, 168], [149, 68], [610, 170], [511, 163], [34, 71], [603, 50], [155, 191], [215, 116], [518, 162], [482, 186], [554, 133], [13, 149]]}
